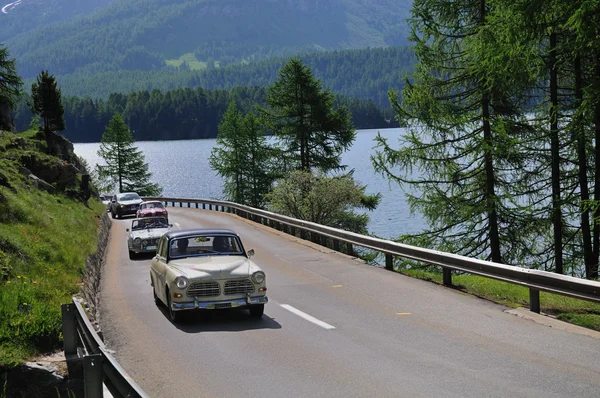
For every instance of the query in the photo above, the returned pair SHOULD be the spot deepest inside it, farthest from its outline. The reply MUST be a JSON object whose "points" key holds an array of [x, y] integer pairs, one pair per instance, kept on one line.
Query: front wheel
{"points": [[132, 254], [256, 311], [174, 315]]}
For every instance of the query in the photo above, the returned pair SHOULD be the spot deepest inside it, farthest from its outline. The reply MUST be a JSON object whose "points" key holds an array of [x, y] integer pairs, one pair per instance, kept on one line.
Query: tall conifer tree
{"points": [[464, 114], [125, 166]]}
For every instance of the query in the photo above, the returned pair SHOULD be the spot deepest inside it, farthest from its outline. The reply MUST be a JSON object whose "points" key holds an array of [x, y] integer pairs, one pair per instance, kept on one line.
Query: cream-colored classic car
{"points": [[206, 269]]}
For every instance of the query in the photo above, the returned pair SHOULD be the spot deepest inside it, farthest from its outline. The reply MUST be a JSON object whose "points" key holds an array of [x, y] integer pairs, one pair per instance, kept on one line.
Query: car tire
{"points": [[155, 296], [256, 311], [112, 214], [132, 254], [119, 215], [174, 315]]}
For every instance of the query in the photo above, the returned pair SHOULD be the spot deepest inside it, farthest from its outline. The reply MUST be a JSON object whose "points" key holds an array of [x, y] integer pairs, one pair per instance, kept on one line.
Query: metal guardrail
{"points": [[535, 280], [87, 356]]}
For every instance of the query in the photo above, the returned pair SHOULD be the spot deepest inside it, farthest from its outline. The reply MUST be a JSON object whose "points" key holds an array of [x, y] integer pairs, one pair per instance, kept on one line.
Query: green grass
{"points": [[44, 241], [191, 60], [578, 312]]}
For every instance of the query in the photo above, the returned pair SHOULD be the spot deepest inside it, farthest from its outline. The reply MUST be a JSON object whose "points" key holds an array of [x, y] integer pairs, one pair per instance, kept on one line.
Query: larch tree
{"points": [[10, 88], [464, 111], [125, 166], [243, 158], [47, 102], [301, 114]]}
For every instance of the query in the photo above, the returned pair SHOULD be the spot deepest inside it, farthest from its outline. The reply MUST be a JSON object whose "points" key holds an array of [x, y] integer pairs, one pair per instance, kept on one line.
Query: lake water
{"points": [[182, 169]]}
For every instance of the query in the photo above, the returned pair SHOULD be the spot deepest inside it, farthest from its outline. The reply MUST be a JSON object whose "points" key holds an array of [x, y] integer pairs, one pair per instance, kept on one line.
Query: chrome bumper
{"points": [[216, 305]]}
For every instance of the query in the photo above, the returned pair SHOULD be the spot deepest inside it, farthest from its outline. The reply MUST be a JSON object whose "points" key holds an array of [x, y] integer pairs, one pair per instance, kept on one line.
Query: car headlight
{"points": [[145, 242], [181, 282], [258, 277]]}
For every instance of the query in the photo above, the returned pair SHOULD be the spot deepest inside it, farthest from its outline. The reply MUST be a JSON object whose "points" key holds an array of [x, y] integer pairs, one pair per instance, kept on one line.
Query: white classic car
{"points": [[206, 269], [144, 234]]}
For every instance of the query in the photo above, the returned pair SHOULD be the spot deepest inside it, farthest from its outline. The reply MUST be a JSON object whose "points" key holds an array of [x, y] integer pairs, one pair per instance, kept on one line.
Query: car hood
{"points": [[214, 267], [130, 202], [151, 233]]}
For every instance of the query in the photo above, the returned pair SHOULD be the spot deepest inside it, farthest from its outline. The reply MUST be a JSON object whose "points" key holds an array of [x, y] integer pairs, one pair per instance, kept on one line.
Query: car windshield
{"points": [[205, 245], [156, 205], [146, 223], [130, 196]]}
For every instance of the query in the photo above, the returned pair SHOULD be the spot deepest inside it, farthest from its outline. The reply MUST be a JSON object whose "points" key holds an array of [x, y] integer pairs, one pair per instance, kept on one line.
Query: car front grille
{"points": [[203, 289], [239, 286]]}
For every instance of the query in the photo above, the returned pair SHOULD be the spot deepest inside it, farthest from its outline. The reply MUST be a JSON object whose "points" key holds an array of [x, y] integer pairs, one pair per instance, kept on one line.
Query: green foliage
{"points": [[44, 242], [178, 114], [125, 166], [10, 88], [301, 114], [142, 34], [47, 102], [363, 73], [466, 112], [243, 158], [324, 200]]}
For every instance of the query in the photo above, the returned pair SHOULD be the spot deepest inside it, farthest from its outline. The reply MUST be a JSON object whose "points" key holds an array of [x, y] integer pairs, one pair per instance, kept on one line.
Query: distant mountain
{"points": [[20, 16], [363, 73], [145, 34]]}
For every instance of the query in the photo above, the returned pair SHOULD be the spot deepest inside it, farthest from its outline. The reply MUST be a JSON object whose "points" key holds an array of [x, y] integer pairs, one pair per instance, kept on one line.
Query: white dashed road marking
{"points": [[307, 317]]}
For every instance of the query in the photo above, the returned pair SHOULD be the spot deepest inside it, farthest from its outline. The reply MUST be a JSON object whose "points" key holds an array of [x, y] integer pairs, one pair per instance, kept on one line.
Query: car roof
{"points": [[127, 193], [198, 231], [149, 218], [150, 201]]}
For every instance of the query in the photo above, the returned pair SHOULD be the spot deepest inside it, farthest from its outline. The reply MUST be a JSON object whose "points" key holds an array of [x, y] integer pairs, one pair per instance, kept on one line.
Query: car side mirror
{"points": [[250, 253], [171, 225], [127, 230]]}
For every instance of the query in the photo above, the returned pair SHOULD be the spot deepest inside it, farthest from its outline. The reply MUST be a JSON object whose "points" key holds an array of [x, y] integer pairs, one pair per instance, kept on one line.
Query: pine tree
{"points": [[301, 114], [10, 88], [125, 165], [243, 158], [47, 102]]}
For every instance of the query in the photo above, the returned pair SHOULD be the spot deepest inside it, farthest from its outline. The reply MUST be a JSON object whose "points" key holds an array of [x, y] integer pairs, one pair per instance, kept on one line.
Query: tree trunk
{"points": [[588, 255], [594, 271], [490, 178], [555, 151]]}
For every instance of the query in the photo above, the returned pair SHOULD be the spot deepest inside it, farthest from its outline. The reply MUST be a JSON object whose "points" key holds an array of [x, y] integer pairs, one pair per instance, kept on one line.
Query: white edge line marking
{"points": [[307, 317]]}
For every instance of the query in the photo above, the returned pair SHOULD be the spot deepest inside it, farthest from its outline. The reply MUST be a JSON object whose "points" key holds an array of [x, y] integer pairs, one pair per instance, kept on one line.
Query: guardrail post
{"points": [[349, 249], [447, 276], [209, 206], [93, 376], [336, 245], [203, 206], [534, 300], [69, 328], [389, 262], [303, 234]]}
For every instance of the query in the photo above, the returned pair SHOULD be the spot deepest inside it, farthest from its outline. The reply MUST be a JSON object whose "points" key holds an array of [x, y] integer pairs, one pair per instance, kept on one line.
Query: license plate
{"points": [[150, 247]]}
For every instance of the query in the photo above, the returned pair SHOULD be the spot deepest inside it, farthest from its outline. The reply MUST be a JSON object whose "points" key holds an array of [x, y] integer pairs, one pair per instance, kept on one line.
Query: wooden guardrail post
{"points": [[93, 376], [534, 300], [447, 276]]}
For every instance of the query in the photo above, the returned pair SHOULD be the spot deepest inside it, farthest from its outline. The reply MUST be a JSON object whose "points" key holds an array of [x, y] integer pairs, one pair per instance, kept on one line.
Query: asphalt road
{"points": [[334, 327]]}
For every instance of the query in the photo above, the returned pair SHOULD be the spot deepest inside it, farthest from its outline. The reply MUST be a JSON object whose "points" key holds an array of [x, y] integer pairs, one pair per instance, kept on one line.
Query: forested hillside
{"points": [[178, 114], [365, 74], [27, 15], [145, 34]]}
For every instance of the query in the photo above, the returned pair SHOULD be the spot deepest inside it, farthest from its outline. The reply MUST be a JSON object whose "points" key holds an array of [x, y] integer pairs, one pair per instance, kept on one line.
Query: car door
{"points": [[159, 268]]}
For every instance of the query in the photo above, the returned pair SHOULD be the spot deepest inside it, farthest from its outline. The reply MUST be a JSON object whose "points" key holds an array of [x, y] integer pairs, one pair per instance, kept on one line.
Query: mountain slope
{"points": [[143, 34], [26, 15]]}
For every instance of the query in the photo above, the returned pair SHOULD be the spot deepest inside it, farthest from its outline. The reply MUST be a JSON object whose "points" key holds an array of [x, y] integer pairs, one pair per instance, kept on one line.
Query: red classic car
{"points": [[152, 208]]}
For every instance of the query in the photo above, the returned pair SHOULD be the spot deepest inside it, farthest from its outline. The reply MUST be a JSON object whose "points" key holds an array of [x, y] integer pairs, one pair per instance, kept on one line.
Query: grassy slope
{"points": [[44, 241]]}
